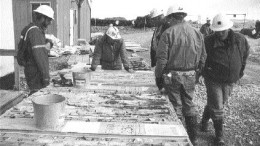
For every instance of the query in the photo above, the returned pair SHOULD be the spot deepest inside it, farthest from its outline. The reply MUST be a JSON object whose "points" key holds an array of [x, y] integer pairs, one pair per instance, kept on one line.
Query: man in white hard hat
{"points": [[110, 52], [157, 18], [205, 28], [161, 23], [181, 52], [34, 56], [227, 54]]}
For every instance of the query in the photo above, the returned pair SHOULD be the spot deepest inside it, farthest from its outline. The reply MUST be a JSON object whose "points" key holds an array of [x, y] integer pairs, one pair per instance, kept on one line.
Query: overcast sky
{"points": [[130, 9]]}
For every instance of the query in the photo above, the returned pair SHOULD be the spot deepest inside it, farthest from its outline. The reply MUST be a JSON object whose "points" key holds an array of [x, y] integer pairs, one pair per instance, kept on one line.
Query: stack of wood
{"points": [[134, 47]]}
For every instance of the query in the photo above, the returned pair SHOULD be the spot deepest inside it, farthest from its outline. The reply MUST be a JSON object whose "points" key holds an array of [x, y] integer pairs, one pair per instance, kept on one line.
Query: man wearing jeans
{"points": [[180, 53], [227, 54]]}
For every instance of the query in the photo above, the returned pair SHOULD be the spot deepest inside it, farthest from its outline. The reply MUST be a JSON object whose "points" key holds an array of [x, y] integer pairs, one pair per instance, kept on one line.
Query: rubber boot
{"points": [[205, 120], [191, 125], [219, 132]]}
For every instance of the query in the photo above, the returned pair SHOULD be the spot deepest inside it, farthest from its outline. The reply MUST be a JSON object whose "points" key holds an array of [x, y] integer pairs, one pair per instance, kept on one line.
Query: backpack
{"points": [[22, 45]]}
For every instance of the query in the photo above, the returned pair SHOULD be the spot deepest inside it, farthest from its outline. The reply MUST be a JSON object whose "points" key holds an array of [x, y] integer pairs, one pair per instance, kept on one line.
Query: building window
{"points": [[35, 5]]}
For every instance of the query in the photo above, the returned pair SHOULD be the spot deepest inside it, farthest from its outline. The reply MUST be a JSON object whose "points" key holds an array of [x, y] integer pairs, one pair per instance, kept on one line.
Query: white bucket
{"points": [[49, 111]]}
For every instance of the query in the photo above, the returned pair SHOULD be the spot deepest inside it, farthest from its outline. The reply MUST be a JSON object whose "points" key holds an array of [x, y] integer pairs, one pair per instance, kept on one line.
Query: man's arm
{"points": [[245, 56], [203, 55], [162, 55], [97, 55], [40, 53], [123, 56], [152, 51], [162, 59]]}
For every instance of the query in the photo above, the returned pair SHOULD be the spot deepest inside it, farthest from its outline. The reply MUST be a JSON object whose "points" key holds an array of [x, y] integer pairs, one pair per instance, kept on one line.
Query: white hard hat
{"points": [[45, 10], [113, 32], [221, 22], [154, 13], [175, 9]]}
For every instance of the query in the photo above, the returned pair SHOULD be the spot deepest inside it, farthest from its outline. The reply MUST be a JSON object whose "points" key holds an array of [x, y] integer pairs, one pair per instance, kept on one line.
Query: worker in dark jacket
{"points": [[110, 52], [36, 68], [227, 54], [158, 18], [205, 28], [180, 53]]}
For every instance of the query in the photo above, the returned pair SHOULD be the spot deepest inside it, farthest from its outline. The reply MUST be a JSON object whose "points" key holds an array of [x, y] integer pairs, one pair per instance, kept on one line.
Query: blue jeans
{"points": [[181, 92], [217, 96]]}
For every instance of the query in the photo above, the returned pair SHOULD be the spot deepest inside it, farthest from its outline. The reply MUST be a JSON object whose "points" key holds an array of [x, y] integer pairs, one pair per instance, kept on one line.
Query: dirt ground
{"points": [[242, 113]]}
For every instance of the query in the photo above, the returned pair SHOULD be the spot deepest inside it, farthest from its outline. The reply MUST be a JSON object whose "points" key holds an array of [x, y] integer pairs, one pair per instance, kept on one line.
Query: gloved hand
{"points": [[49, 44], [241, 74], [163, 91], [129, 69], [159, 83], [92, 68], [46, 82]]}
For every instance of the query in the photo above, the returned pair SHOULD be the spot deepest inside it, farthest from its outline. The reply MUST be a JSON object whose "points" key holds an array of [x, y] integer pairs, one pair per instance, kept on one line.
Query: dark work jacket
{"points": [[205, 30], [226, 60], [181, 48], [37, 62], [155, 41], [110, 56]]}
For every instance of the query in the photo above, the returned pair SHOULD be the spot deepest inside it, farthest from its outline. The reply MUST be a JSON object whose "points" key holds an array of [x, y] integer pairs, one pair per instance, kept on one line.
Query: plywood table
{"points": [[98, 119]]}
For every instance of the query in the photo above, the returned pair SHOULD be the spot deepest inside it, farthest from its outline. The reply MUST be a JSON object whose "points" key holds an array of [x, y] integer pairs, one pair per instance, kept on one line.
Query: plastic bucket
{"points": [[81, 79], [49, 111]]}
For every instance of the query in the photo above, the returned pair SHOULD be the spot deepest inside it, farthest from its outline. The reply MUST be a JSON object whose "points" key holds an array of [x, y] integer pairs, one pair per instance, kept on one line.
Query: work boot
{"points": [[219, 132], [205, 120], [191, 125]]}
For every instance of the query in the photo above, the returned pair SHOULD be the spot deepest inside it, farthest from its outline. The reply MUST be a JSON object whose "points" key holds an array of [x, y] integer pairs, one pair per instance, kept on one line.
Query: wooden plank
{"points": [[9, 98], [31, 138], [142, 108], [102, 128], [7, 52], [107, 88], [112, 78], [136, 49], [79, 58], [134, 111]]}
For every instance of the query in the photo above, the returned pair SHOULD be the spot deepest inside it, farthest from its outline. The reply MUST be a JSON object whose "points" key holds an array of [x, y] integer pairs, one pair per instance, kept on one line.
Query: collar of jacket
{"points": [[109, 42], [207, 24], [174, 22], [40, 27], [221, 43]]}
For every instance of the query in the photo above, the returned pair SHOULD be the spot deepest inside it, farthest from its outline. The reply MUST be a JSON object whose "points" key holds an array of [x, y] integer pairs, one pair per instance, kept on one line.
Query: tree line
{"points": [[139, 22]]}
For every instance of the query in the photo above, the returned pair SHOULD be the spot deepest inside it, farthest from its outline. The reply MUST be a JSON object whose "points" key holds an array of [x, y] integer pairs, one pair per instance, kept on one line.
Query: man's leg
{"points": [[189, 109], [205, 119], [173, 92], [217, 95], [33, 79]]}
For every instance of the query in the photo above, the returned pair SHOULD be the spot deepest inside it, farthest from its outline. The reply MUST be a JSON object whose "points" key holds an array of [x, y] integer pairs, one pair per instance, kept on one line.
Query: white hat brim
{"points": [[43, 14], [115, 38], [230, 24]]}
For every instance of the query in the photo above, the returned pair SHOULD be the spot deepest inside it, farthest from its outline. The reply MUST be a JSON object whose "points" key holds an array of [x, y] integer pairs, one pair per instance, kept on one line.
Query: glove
{"points": [[48, 41], [241, 74], [159, 83], [46, 82], [92, 68], [127, 68]]}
